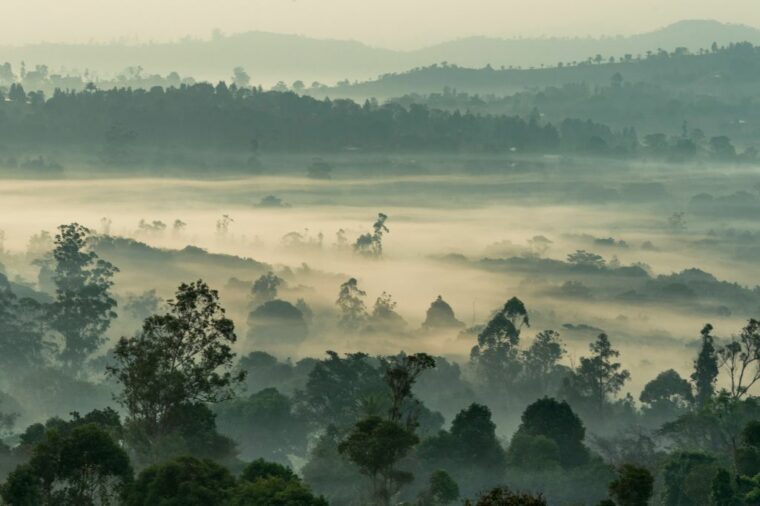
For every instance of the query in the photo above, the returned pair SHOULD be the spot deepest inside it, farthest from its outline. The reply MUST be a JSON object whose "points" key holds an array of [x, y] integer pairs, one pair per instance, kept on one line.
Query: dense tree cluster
{"points": [[356, 428]]}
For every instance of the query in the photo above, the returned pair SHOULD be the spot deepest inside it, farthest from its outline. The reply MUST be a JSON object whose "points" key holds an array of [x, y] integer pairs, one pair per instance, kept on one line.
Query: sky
{"points": [[397, 24]]}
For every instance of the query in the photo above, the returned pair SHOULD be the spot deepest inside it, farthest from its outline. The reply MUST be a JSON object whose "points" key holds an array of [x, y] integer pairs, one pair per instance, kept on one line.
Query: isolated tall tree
{"points": [[353, 312], [705, 368], [83, 308], [179, 359]]}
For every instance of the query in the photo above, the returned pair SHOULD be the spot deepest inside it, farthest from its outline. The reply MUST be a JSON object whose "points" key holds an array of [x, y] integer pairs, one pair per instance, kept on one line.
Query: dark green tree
{"points": [[556, 421], [401, 373], [22, 322], [541, 360], [337, 388], [376, 446], [265, 425], [260, 468], [83, 308], [705, 368], [273, 491], [178, 362], [667, 396], [496, 356], [502, 496], [688, 478], [723, 492], [599, 376], [185, 481], [633, 486], [82, 467], [443, 489]]}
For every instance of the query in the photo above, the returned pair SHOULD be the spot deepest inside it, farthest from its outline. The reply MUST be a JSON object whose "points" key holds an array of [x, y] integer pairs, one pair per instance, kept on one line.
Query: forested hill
{"points": [[271, 57], [118, 126], [719, 70]]}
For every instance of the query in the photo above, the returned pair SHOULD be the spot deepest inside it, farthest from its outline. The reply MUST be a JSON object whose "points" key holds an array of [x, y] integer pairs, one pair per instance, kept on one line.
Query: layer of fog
{"points": [[430, 217]]}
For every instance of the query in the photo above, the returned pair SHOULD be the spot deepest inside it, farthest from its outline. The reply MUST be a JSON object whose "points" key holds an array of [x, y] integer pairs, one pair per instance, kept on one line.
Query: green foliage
{"points": [[541, 360], [376, 446], [178, 362], [723, 492], [556, 421], [633, 486], [264, 424], [330, 474], [274, 491], [740, 357], [84, 308], [401, 373], [496, 355], [186, 481], [81, 467], [22, 340], [443, 488], [666, 396], [747, 456], [336, 388], [502, 496], [537, 453], [688, 478], [260, 468], [716, 428], [705, 368], [597, 378], [470, 451]]}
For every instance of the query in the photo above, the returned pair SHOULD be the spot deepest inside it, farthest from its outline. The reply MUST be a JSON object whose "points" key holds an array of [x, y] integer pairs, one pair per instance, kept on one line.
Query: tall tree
{"points": [[353, 312], [541, 359], [371, 245], [599, 376], [705, 368], [496, 355], [179, 359], [741, 359], [375, 446], [84, 308], [400, 374]]}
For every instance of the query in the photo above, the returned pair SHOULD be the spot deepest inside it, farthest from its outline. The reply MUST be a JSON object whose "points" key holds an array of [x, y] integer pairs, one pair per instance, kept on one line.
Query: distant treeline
{"points": [[118, 123], [713, 71]]}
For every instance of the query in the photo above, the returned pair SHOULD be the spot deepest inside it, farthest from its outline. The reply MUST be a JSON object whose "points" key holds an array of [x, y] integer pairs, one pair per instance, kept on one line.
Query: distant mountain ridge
{"points": [[270, 57]]}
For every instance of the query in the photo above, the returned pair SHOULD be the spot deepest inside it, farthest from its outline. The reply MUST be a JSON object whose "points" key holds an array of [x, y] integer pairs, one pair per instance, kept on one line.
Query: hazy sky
{"points": [[388, 23]]}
